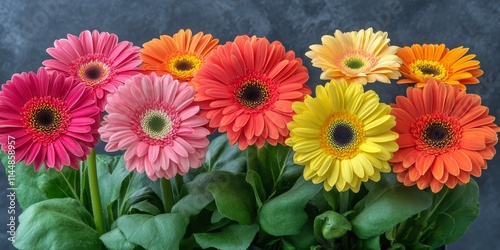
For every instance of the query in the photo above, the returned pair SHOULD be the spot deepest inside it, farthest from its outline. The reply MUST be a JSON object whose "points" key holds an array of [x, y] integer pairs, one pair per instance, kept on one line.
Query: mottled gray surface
{"points": [[27, 28]]}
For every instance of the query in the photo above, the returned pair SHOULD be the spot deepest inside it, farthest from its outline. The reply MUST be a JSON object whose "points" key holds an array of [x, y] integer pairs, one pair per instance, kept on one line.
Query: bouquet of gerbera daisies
{"points": [[336, 169]]}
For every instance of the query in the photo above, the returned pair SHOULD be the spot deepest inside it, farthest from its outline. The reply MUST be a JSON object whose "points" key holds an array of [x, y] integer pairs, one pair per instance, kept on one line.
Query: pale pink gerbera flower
{"points": [[50, 118], [155, 120], [97, 59]]}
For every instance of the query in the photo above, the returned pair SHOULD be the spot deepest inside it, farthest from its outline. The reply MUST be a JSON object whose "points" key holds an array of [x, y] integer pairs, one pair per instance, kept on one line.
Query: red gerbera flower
{"points": [[53, 119], [247, 88], [445, 135]]}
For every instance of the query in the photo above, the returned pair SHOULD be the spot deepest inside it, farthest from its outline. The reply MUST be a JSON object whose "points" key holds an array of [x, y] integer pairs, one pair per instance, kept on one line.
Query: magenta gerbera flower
{"points": [[97, 59], [154, 119], [52, 119]]}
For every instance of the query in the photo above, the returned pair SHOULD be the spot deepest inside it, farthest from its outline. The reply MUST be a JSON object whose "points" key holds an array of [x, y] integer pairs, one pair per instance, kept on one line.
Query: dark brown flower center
{"points": [[437, 135], [184, 65], [46, 119], [253, 94], [93, 72], [430, 71]]}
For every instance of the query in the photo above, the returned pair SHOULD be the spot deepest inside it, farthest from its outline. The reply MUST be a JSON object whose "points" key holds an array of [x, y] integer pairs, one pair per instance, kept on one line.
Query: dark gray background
{"points": [[27, 28]]}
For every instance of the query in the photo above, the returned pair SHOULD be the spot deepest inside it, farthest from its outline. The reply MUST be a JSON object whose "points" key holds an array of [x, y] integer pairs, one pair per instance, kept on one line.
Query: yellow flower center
{"points": [[353, 62], [182, 67], [429, 69], [341, 135], [93, 73], [156, 124]]}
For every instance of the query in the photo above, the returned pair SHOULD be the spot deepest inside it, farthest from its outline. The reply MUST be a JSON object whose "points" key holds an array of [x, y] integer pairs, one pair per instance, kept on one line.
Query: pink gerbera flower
{"points": [[97, 59], [154, 119], [52, 119]]}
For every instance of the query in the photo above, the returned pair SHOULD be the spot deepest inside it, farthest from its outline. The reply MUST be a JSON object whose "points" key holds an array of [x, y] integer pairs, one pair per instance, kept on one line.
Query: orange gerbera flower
{"points": [[247, 88], [421, 63], [445, 135], [179, 56]]}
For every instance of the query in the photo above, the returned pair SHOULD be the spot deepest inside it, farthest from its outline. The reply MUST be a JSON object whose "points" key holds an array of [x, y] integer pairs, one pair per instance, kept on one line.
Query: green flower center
{"points": [[354, 63], [156, 124]]}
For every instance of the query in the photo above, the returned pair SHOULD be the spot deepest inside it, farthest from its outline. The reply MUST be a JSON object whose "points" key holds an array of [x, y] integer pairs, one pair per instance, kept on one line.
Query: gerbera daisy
{"points": [[343, 136], [96, 59], [445, 135], [421, 63], [356, 56], [53, 119], [180, 55], [247, 88], [155, 120]]}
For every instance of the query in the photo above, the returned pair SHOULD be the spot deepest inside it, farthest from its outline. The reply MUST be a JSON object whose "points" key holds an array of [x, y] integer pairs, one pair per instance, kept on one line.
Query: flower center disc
{"points": [[93, 73], [431, 69], [182, 67], [156, 124], [341, 135], [352, 62], [253, 94], [436, 133]]}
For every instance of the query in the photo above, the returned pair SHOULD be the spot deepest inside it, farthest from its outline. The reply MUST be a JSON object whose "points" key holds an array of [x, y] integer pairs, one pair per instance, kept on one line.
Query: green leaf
{"points": [[115, 240], [224, 157], [163, 231], [331, 225], [234, 197], [60, 223], [196, 194], [145, 207], [253, 178], [444, 227], [277, 169], [32, 187], [392, 206], [231, 237], [285, 215]]}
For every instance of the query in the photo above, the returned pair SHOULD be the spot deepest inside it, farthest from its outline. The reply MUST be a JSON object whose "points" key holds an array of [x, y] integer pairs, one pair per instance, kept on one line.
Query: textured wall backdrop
{"points": [[28, 27]]}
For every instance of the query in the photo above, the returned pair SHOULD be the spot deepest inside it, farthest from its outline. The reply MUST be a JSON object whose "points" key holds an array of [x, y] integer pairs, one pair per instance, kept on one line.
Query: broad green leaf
{"points": [[234, 197], [232, 237], [115, 240], [196, 195], [224, 157], [59, 223], [445, 225], [392, 206], [163, 231], [253, 178], [277, 169], [145, 207], [284, 214], [32, 187]]}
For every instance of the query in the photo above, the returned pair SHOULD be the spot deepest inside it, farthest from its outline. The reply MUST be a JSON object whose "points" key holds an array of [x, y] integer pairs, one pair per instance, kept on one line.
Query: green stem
{"points": [[168, 197], [252, 160], [94, 192], [344, 207], [179, 181]]}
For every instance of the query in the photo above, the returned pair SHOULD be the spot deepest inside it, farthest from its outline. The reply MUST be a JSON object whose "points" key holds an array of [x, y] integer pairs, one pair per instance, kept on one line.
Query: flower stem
{"points": [[252, 160], [94, 192], [168, 197]]}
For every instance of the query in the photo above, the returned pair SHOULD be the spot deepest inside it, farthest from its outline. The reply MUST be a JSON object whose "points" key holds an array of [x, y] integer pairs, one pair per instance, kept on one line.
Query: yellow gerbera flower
{"points": [[423, 62], [356, 56], [343, 136]]}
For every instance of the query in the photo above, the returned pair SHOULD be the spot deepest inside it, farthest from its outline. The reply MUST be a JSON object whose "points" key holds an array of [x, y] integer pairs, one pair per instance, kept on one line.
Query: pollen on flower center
{"points": [[341, 135], [156, 124], [93, 73], [436, 133], [183, 66], [431, 69], [46, 118]]}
